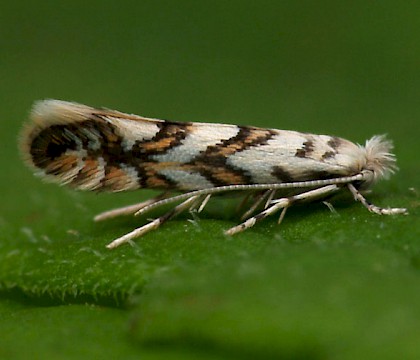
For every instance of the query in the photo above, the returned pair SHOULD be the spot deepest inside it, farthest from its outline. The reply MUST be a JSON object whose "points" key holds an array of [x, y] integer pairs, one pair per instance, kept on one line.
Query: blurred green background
{"points": [[319, 286]]}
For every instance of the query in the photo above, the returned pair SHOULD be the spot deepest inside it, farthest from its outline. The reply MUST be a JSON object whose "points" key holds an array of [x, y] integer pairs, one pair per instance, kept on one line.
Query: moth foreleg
{"points": [[373, 208]]}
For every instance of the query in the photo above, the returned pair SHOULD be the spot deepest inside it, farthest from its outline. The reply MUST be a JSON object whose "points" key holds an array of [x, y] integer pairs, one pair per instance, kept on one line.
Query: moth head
{"points": [[380, 161]]}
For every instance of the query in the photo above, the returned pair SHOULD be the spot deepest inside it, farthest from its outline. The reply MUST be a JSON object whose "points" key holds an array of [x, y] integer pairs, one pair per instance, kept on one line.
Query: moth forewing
{"points": [[105, 150]]}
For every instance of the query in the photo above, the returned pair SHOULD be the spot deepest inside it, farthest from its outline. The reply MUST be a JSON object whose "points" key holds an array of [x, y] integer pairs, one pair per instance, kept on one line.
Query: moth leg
{"points": [[153, 224], [281, 217], [130, 209], [286, 202], [204, 203], [260, 199], [373, 208], [243, 201], [270, 198], [199, 203], [283, 203], [330, 206]]}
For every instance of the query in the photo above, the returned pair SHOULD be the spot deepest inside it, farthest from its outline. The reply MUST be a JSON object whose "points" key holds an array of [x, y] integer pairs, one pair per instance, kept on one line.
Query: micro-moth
{"points": [[105, 150]]}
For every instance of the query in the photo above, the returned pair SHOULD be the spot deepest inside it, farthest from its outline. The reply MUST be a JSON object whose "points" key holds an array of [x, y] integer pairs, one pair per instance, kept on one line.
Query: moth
{"points": [[106, 150]]}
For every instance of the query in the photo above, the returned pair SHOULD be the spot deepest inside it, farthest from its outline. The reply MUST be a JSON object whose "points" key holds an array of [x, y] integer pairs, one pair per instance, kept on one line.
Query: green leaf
{"points": [[320, 285], [289, 302]]}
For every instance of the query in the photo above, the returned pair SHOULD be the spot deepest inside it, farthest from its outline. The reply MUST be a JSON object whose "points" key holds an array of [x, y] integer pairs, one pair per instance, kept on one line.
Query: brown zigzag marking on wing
{"points": [[212, 163], [49, 146], [170, 135]]}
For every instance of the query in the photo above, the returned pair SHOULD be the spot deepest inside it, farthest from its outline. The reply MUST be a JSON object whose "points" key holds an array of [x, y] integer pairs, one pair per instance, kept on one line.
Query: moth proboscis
{"points": [[105, 150]]}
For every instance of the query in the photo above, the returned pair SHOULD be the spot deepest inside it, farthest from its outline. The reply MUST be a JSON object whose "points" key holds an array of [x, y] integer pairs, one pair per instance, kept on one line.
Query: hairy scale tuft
{"points": [[379, 158]]}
